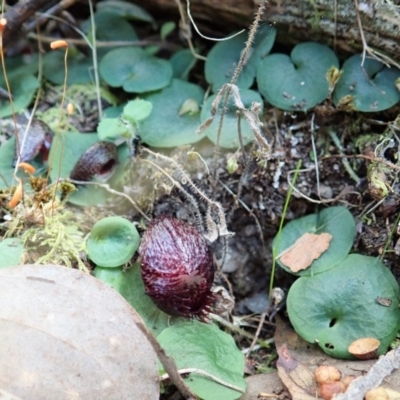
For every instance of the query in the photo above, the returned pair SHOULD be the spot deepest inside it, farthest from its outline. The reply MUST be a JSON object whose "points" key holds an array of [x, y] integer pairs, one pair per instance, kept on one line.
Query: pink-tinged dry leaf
{"points": [[66, 335], [305, 250], [298, 379]]}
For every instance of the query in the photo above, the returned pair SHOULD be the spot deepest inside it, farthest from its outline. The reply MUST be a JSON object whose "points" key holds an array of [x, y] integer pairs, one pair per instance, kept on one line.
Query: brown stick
{"points": [[17, 15]]}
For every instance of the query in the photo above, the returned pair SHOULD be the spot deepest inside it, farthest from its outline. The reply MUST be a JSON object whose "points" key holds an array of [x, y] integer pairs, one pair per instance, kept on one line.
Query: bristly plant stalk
{"points": [[238, 70]]}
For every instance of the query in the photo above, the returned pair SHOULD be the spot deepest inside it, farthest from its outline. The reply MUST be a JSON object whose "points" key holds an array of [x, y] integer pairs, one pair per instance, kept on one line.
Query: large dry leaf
{"points": [[297, 378], [66, 335], [305, 250]]}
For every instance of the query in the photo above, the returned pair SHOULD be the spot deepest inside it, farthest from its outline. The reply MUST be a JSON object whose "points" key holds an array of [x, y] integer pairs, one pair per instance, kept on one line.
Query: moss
{"points": [[59, 241]]}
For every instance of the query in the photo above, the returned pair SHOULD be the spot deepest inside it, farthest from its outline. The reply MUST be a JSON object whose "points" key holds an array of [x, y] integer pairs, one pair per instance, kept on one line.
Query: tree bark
{"points": [[328, 21]]}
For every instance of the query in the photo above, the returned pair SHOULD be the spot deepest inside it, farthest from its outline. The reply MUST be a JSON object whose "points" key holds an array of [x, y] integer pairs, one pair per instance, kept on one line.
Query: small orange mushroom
{"points": [[58, 44]]}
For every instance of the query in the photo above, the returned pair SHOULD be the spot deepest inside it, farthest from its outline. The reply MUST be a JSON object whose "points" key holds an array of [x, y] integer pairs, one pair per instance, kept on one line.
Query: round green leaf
{"points": [[112, 128], [113, 111], [80, 68], [134, 70], [229, 135], [23, 88], [182, 63], [112, 242], [223, 58], [110, 26], [167, 126], [342, 305], [298, 82], [66, 150], [21, 64], [129, 284], [10, 252], [125, 10], [193, 344], [137, 110], [367, 88], [337, 221]]}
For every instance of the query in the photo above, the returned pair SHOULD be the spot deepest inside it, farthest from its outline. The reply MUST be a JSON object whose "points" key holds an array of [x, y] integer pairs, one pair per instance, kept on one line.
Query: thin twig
{"points": [[345, 163], [207, 37], [186, 33], [112, 43], [206, 374], [95, 63], [344, 192], [107, 187], [315, 156], [240, 331]]}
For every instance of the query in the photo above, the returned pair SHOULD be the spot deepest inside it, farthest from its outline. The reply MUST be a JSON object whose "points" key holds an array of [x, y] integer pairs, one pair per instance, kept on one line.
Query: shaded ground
{"points": [[256, 215]]}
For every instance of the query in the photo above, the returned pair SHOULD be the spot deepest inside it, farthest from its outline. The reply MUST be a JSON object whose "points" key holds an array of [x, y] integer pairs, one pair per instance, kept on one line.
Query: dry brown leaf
{"points": [[305, 250], [263, 386], [66, 335], [311, 356], [298, 379], [364, 348]]}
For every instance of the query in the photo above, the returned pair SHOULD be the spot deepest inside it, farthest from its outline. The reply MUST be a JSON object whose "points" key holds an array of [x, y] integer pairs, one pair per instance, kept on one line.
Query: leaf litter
{"points": [[305, 250]]}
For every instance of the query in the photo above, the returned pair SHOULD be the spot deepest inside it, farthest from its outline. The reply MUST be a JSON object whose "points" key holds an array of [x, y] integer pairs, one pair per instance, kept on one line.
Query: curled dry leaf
{"points": [[65, 334], [364, 348], [305, 250]]}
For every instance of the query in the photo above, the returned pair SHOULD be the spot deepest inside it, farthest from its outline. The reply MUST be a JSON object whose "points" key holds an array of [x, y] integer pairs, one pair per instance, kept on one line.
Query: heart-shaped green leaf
{"points": [[10, 252], [368, 87], [298, 82], [21, 64], [193, 344], [111, 26], [170, 124], [343, 304], [112, 128], [112, 242], [229, 138], [182, 62], [137, 110], [223, 58], [129, 284], [125, 10], [135, 70], [23, 83], [65, 152], [80, 68], [23, 88], [336, 221]]}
